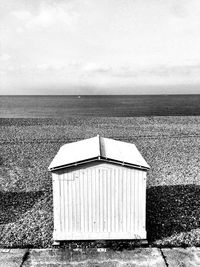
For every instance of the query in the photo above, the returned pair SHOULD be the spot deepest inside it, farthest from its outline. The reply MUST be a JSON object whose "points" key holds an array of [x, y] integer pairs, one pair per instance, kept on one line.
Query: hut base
{"points": [[67, 236]]}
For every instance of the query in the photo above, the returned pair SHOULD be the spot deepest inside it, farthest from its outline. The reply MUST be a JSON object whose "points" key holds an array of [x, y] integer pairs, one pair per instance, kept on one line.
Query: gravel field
{"points": [[170, 145]]}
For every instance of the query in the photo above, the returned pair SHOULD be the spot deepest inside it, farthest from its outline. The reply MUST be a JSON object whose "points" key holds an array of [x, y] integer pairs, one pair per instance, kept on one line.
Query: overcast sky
{"points": [[99, 46]]}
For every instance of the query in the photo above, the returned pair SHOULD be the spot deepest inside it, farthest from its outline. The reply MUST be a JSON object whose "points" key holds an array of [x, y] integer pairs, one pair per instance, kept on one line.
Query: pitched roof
{"points": [[98, 148]]}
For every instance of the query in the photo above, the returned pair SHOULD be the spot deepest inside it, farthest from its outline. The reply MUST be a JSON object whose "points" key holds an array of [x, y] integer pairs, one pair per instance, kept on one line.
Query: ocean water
{"points": [[104, 105]]}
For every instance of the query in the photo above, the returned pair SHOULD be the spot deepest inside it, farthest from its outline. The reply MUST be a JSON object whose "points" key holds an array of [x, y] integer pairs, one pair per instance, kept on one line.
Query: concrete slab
{"points": [[181, 257], [12, 257], [142, 257]]}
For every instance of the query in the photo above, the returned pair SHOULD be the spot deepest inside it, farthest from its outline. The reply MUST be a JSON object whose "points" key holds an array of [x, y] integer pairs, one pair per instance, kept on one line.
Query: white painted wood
{"points": [[99, 236], [99, 201], [56, 203], [98, 147]]}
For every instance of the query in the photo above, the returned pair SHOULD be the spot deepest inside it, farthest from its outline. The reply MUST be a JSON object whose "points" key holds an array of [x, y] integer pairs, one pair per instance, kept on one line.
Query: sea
{"points": [[64, 106]]}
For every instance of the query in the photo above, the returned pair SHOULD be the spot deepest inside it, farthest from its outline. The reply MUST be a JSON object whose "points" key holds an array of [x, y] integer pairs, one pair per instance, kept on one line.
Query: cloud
{"points": [[59, 12], [175, 71], [92, 68], [131, 72], [4, 57], [100, 42], [22, 15]]}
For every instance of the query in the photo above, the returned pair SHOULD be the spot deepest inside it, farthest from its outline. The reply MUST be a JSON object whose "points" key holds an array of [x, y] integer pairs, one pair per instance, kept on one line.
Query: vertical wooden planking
{"points": [[138, 201], [116, 200], [120, 196], [135, 201], [141, 196], [103, 198], [97, 199], [105, 225], [131, 197], [144, 200], [81, 201], [73, 203], [112, 201], [106, 204], [65, 204], [85, 184], [100, 199], [106, 199], [89, 201], [108, 179], [69, 204], [119, 200], [61, 203], [56, 202], [114, 183], [124, 217], [78, 204], [132, 194], [128, 200], [92, 199], [66, 190], [80, 198], [78, 195]]}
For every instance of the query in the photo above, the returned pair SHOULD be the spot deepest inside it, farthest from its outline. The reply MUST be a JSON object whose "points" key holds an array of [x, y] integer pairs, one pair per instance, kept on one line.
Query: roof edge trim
{"points": [[73, 164], [100, 158], [125, 163]]}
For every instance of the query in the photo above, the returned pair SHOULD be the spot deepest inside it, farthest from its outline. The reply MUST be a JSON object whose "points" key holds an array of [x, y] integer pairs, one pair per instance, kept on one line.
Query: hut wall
{"points": [[99, 201]]}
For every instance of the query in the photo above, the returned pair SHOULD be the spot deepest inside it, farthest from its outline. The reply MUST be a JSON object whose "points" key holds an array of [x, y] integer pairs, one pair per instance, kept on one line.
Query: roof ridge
{"points": [[99, 140], [98, 147]]}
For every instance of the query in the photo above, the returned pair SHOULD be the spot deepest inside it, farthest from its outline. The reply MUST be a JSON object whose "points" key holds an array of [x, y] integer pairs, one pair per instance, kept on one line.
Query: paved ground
{"points": [[142, 257]]}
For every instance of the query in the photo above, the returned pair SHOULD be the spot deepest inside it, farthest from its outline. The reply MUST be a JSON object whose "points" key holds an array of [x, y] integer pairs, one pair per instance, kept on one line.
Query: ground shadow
{"points": [[172, 209], [14, 204]]}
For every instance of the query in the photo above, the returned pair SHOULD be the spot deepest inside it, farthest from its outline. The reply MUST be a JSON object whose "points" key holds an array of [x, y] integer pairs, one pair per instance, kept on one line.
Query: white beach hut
{"points": [[99, 191]]}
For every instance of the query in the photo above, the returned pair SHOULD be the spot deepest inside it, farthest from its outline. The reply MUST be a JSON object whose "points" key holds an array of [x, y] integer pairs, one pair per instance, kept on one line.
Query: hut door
{"points": [[100, 207]]}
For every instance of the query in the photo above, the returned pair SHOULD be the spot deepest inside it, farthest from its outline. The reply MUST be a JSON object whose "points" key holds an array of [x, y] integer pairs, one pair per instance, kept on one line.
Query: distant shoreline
{"points": [[99, 95]]}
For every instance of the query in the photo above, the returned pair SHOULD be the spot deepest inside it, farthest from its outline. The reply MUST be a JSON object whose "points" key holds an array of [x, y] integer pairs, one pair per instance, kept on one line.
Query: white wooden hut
{"points": [[99, 191]]}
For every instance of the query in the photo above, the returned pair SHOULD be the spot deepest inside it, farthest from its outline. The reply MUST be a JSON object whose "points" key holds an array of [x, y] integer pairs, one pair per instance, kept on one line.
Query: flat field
{"points": [[171, 146]]}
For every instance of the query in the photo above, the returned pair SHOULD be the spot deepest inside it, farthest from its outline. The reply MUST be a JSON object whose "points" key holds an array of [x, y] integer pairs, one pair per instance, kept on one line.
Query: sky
{"points": [[99, 46]]}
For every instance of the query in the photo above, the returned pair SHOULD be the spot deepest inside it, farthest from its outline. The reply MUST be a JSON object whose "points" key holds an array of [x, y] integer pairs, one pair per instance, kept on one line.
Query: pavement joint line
{"points": [[164, 258], [25, 257]]}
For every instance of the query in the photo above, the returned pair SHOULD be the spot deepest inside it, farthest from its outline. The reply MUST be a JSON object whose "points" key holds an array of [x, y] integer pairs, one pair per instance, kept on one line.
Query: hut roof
{"points": [[98, 148]]}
